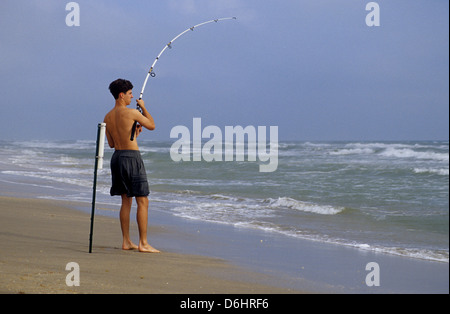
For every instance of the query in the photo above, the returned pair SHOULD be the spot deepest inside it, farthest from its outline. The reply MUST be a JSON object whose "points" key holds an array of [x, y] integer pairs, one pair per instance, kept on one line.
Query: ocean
{"points": [[384, 197]]}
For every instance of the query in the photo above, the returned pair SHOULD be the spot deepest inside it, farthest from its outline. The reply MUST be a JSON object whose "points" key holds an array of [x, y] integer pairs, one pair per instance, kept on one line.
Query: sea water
{"points": [[387, 197]]}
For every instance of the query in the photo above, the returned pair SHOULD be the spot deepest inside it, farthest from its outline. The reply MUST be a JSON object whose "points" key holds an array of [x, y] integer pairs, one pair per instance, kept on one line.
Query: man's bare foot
{"points": [[129, 246], [147, 249]]}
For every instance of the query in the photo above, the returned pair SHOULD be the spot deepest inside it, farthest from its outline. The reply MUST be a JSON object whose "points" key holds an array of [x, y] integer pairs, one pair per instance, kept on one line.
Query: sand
{"points": [[38, 238]]}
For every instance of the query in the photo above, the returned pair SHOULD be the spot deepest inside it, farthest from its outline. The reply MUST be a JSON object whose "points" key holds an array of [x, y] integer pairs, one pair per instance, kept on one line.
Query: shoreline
{"points": [[248, 260], [40, 237], [301, 264]]}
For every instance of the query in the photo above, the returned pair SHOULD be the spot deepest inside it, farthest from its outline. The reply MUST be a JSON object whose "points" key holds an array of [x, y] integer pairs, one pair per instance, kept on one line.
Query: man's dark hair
{"points": [[119, 86]]}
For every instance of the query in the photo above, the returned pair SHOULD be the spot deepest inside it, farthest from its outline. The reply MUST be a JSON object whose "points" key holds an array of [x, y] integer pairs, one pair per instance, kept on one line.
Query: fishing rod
{"points": [[169, 45]]}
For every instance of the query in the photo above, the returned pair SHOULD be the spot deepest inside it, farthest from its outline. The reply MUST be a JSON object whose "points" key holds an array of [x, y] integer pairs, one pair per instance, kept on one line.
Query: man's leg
{"points": [[125, 210], [142, 220]]}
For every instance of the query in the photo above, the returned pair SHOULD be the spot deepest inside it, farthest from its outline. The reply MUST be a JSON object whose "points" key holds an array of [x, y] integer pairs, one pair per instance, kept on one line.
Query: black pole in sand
{"points": [[98, 155]]}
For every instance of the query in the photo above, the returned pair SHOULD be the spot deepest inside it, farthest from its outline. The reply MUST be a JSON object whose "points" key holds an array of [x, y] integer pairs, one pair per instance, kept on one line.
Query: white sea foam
{"points": [[352, 151], [53, 145], [409, 153], [304, 206], [441, 172], [430, 255], [396, 150], [51, 178], [221, 209]]}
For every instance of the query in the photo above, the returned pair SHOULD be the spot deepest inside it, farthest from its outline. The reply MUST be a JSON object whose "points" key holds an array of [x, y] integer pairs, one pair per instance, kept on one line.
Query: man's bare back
{"points": [[119, 122]]}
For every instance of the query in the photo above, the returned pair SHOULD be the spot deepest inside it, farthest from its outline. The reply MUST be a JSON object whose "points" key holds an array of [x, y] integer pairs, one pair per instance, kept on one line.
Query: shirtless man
{"points": [[129, 178]]}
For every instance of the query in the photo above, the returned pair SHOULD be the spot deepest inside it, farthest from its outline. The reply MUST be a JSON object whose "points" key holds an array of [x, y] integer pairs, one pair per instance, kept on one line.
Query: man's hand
{"points": [[144, 119], [140, 103], [138, 129]]}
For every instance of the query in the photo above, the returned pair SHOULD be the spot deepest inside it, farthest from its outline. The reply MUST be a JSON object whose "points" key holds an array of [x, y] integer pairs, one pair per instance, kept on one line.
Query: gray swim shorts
{"points": [[128, 174]]}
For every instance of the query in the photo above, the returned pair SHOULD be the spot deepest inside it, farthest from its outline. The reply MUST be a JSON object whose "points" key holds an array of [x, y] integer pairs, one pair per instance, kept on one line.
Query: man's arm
{"points": [[145, 119]]}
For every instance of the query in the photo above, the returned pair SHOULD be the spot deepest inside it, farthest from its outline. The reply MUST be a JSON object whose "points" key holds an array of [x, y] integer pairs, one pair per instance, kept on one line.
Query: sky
{"points": [[313, 68]]}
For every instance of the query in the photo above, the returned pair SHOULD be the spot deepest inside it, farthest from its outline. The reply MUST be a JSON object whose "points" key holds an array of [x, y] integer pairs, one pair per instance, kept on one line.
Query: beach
{"points": [[39, 238], [362, 218]]}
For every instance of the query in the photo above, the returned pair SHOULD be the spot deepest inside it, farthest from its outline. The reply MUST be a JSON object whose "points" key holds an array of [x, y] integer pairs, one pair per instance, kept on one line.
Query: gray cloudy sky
{"points": [[312, 68]]}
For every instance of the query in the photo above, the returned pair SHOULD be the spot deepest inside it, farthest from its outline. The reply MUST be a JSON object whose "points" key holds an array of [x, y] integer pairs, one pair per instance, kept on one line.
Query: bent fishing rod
{"points": [[169, 45]]}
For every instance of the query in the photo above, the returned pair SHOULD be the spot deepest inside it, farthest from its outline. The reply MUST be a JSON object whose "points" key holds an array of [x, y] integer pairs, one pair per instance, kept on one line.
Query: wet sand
{"points": [[38, 238]]}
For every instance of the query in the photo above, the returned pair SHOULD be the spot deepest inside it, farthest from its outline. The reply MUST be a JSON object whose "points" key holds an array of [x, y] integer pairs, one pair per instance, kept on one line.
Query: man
{"points": [[129, 178]]}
